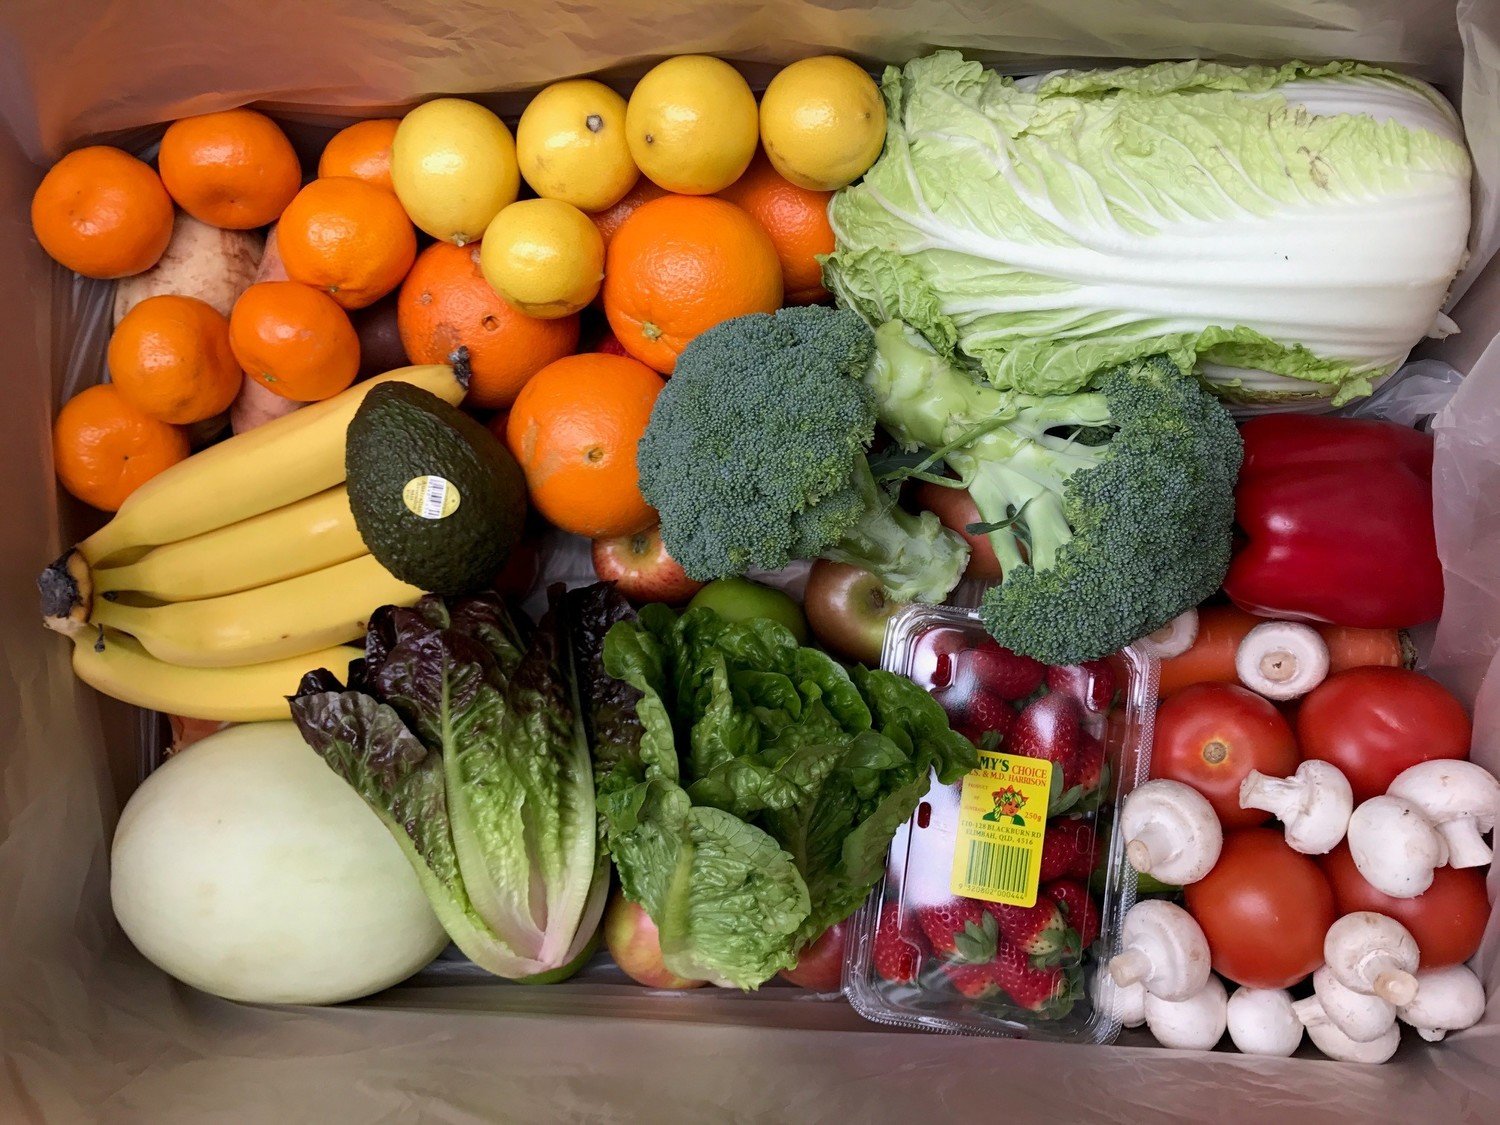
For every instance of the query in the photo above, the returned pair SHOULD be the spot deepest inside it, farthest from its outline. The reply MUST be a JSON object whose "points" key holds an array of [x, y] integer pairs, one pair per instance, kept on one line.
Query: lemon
{"points": [[571, 145], [543, 256], [822, 122], [453, 164], [692, 124]]}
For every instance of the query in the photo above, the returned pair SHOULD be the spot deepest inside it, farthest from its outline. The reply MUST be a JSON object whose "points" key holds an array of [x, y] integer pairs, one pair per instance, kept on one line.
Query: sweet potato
{"points": [[200, 261]]}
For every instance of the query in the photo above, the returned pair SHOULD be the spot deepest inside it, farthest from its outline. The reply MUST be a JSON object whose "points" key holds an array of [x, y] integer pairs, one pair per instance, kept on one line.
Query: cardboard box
{"points": [[89, 1031]]}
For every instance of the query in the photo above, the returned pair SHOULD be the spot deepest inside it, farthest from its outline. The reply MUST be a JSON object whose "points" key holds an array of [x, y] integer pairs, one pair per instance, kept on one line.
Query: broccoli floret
{"points": [[1110, 510], [755, 456]]}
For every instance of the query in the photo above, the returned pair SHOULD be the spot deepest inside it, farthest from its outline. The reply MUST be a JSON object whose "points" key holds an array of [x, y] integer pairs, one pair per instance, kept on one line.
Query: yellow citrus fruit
{"points": [[543, 256], [453, 164], [822, 122], [692, 124], [571, 145]]}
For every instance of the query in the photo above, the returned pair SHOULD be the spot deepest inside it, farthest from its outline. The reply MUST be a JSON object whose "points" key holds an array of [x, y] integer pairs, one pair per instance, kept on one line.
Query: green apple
{"points": [[739, 599]]}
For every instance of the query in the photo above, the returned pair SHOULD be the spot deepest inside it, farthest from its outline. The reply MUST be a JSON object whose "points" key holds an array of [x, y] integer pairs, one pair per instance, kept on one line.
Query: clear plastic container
{"points": [[980, 924]]}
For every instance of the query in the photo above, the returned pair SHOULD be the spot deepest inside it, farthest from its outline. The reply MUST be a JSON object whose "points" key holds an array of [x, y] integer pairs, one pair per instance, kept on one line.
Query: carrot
{"points": [[1221, 628], [1349, 647]]}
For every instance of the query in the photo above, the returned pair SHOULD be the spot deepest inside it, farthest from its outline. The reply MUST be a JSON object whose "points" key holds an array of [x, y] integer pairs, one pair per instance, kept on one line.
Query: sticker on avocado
{"points": [[431, 497], [1002, 820]]}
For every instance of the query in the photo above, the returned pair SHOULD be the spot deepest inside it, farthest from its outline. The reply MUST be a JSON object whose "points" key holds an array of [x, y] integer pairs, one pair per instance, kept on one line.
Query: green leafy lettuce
{"points": [[1289, 231], [752, 804], [462, 729]]}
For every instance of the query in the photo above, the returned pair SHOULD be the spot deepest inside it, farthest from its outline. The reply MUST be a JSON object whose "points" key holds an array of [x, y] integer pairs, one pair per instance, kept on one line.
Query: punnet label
{"points": [[1002, 821]]}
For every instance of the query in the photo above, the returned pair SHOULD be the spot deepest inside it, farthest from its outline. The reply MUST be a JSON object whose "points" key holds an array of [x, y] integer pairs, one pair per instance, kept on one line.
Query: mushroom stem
{"points": [[1466, 846], [1394, 984], [1130, 966], [1310, 1012], [1432, 1034], [1152, 843], [1279, 796]]}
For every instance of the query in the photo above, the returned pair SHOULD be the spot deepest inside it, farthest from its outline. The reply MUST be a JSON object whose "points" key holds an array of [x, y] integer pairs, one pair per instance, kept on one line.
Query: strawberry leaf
{"points": [[977, 943]]}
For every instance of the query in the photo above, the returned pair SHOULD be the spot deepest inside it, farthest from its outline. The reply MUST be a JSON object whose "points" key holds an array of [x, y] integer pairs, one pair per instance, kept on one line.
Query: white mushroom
{"points": [[1163, 949], [1262, 1022], [1281, 659], [1448, 999], [1171, 832], [1371, 953], [1195, 1023], [1172, 639], [1126, 1002], [1358, 1015], [1395, 846], [1460, 799], [1313, 804], [1336, 1045]]}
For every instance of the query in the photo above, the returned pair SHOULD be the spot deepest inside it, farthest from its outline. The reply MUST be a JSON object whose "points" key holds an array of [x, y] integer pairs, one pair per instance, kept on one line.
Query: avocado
{"points": [[437, 499]]}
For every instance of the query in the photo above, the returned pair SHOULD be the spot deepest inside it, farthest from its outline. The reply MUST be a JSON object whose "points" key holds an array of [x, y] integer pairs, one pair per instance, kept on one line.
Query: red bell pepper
{"points": [[1336, 518]]}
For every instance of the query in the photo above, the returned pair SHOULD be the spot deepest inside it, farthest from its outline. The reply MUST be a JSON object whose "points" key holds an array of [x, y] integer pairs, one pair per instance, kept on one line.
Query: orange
{"points": [[234, 169], [611, 218], [680, 265], [348, 238], [796, 218], [104, 448], [294, 339], [363, 150], [170, 358], [574, 428], [102, 213], [446, 303]]}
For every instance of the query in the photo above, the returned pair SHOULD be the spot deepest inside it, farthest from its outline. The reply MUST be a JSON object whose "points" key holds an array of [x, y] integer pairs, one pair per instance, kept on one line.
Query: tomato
{"points": [[820, 966], [1264, 909], [1447, 919], [1375, 722], [1210, 736]]}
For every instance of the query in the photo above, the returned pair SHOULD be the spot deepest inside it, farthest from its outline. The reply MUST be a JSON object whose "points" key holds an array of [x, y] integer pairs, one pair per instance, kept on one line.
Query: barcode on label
{"points": [[433, 498], [998, 868]]}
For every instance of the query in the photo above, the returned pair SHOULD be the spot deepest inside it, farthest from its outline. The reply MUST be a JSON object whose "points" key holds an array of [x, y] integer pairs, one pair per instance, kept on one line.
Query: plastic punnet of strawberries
{"points": [[944, 959]]}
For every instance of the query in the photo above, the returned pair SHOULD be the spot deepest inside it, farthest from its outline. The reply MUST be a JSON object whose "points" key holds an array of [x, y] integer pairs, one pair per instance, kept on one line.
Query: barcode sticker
{"points": [[1002, 821], [431, 497]]}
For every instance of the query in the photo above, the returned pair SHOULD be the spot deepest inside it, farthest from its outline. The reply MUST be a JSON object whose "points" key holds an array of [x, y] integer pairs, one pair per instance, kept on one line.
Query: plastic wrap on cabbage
{"points": [[1292, 231]]}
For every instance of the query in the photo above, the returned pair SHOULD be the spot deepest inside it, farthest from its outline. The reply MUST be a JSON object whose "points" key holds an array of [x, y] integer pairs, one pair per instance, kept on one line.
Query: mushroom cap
{"points": [[1282, 659], [1448, 999], [1171, 942], [1369, 952], [1336, 1045], [1394, 846], [1314, 804], [1445, 788], [1172, 832], [1263, 1022], [1360, 1016], [1195, 1023]]}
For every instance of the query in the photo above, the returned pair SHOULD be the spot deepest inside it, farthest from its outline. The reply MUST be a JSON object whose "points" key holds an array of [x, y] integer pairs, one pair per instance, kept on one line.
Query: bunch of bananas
{"points": [[222, 580]]}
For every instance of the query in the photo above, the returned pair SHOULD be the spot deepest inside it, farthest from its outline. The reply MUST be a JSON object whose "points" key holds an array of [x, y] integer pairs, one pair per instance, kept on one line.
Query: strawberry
{"points": [[1040, 931], [1035, 989], [974, 981], [959, 929], [986, 713], [1048, 728], [1067, 850], [1007, 674], [1088, 766], [1091, 683], [1076, 902], [899, 946], [955, 705]]}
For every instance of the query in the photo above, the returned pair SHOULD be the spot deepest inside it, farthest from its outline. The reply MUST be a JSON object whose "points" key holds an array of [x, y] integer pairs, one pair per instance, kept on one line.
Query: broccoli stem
{"points": [[914, 555], [1015, 471]]}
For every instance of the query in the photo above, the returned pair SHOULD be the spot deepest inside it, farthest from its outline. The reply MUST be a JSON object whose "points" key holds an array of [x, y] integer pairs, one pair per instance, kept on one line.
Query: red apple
{"points": [[634, 943], [847, 608], [641, 569], [820, 966], [956, 509]]}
